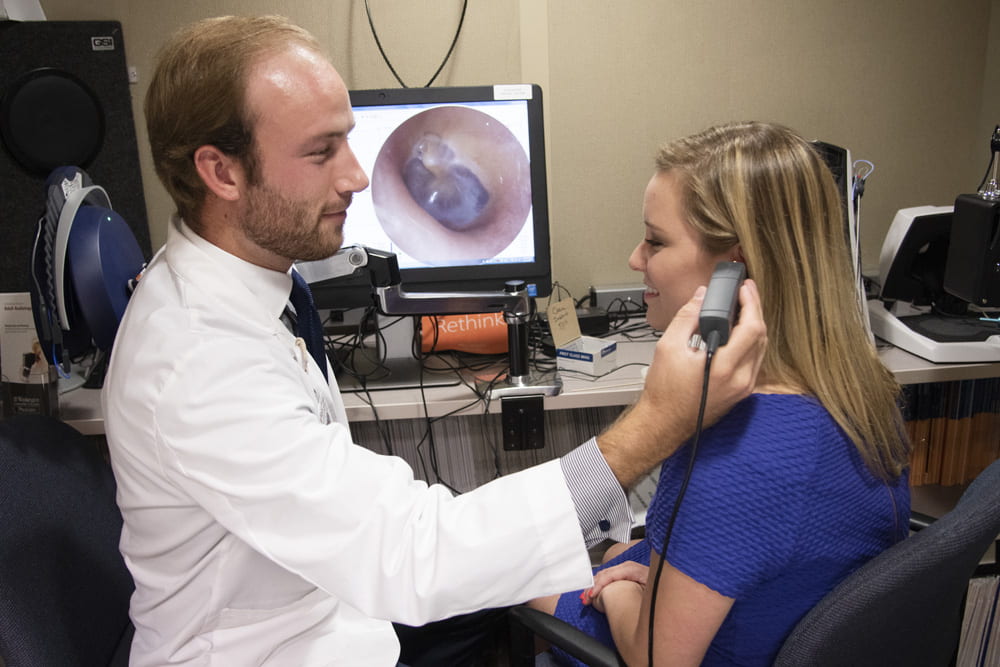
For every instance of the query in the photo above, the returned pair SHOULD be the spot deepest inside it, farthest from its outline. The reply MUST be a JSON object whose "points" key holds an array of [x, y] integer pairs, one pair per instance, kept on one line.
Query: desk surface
{"points": [[81, 408]]}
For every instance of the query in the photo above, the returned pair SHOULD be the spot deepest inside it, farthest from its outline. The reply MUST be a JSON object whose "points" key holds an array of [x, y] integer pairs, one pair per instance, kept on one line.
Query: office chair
{"points": [[64, 588], [903, 607]]}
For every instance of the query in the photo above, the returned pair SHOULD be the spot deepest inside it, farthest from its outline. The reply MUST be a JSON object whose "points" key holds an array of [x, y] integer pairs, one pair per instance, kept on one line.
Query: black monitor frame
{"points": [[481, 276]]}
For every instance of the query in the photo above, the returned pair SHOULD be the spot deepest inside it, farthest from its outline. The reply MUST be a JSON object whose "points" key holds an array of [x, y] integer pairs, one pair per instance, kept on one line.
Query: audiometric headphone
{"points": [[84, 265]]}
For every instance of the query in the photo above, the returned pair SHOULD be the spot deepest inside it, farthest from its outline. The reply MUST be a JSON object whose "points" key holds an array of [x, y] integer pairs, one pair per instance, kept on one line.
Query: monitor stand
{"points": [[398, 370]]}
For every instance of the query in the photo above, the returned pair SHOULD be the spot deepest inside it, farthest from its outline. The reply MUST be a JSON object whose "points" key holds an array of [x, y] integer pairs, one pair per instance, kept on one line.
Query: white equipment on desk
{"points": [[911, 273]]}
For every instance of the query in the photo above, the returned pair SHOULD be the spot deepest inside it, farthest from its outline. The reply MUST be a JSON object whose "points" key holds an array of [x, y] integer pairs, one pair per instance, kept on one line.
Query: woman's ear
{"points": [[221, 173], [736, 254]]}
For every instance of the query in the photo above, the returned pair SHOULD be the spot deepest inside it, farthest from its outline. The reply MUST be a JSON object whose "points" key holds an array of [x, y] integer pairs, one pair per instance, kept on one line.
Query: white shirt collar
{"points": [[270, 287]]}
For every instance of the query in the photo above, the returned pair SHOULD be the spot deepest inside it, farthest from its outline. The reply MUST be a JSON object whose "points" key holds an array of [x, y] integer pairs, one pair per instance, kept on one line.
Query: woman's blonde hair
{"points": [[764, 187], [197, 97]]}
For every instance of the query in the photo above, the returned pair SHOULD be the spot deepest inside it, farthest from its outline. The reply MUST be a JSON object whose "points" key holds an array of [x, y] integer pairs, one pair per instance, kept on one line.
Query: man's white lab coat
{"points": [[256, 531]]}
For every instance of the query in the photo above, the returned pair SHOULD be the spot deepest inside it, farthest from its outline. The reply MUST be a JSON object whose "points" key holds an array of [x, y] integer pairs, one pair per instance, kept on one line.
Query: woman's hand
{"points": [[628, 573]]}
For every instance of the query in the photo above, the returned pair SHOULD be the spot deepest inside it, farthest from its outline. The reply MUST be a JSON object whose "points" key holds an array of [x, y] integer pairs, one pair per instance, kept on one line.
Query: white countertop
{"points": [[81, 408]]}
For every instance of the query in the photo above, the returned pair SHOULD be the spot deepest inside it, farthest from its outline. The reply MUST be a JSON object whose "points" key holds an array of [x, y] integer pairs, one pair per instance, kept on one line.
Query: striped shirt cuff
{"points": [[601, 504]]}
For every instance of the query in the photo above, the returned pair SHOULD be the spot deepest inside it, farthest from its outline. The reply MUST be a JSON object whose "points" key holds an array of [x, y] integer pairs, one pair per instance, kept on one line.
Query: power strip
{"points": [[612, 296]]}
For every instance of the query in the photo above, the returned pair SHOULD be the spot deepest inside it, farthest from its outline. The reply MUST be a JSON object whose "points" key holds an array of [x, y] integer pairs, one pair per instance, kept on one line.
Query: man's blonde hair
{"points": [[197, 97]]}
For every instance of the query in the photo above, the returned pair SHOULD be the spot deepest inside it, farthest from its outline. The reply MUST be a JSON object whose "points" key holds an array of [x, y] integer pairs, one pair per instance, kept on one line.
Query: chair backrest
{"points": [[64, 588], [904, 607]]}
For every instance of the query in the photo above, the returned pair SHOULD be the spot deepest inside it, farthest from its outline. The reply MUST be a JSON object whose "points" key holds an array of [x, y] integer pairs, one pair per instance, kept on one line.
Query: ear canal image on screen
{"points": [[451, 184], [448, 190]]}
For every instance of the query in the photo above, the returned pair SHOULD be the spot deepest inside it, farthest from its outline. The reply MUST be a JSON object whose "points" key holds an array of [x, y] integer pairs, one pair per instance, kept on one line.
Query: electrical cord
{"points": [[345, 352], [380, 426], [334, 347], [344, 347], [711, 345], [594, 378], [621, 311], [644, 333], [431, 421], [378, 43], [417, 351], [994, 148], [859, 180]]}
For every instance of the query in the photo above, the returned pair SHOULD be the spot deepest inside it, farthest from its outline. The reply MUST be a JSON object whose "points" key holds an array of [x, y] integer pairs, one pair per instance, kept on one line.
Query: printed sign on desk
{"points": [[29, 382], [575, 352]]}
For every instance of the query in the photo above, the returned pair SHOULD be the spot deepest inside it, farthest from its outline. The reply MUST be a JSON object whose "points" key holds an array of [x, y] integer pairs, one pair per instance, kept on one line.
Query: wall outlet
{"points": [[523, 422]]}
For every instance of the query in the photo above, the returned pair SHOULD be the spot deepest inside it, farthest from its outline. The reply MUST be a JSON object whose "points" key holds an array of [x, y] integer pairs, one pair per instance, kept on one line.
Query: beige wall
{"points": [[415, 34], [899, 83], [910, 86], [990, 117]]}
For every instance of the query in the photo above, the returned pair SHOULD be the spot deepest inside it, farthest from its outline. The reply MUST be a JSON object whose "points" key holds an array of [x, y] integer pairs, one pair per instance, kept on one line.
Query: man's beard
{"points": [[286, 227]]}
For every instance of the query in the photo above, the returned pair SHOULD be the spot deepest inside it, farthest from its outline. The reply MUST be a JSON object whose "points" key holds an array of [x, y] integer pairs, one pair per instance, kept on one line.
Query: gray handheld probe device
{"points": [[718, 310]]}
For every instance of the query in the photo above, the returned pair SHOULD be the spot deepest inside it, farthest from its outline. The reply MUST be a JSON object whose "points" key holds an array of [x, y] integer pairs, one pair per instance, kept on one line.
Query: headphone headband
{"points": [[94, 195]]}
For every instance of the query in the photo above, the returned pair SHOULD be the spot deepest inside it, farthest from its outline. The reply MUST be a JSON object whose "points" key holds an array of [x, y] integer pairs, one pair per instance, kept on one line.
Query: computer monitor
{"points": [[458, 190], [458, 186]]}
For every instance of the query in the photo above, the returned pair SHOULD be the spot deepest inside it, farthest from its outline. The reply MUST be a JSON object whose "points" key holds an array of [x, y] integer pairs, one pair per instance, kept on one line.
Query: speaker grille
{"points": [[49, 119]]}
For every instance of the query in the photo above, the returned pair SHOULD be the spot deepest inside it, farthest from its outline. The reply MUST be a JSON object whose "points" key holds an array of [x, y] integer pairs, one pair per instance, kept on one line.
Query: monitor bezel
{"points": [[483, 277]]}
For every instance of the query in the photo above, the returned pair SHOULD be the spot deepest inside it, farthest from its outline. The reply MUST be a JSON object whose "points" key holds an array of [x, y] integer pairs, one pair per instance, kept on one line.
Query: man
{"points": [[255, 530]]}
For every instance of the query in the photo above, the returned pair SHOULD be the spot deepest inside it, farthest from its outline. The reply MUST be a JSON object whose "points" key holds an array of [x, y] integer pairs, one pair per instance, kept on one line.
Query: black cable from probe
{"points": [[711, 345]]}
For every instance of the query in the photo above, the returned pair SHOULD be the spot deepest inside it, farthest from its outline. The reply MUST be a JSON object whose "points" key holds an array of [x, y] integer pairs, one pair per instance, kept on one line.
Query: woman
{"points": [[804, 480]]}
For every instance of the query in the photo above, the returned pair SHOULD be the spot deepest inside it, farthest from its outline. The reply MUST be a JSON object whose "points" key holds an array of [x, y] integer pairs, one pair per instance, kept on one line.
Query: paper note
{"points": [[563, 323]]}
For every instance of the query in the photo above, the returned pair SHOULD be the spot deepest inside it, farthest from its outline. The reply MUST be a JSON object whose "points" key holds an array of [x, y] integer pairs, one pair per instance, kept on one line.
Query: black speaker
{"points": [[64, 100]]}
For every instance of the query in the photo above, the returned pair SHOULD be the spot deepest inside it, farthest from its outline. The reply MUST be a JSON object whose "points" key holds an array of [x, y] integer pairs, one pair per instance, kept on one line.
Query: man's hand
{"points": [[667, 411], [674, 380]]}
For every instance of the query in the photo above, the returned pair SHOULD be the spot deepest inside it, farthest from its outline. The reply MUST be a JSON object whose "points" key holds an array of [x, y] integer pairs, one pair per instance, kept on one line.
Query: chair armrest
{"points": [[567, 638], [919, 521]]}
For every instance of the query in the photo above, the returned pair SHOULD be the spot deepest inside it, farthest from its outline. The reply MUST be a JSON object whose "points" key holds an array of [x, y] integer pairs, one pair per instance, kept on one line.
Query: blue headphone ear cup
{"points": [[103, 258]]}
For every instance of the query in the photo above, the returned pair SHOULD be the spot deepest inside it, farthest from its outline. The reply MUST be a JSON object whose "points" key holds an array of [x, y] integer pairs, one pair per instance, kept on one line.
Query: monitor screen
{"points": [[458, 187]]}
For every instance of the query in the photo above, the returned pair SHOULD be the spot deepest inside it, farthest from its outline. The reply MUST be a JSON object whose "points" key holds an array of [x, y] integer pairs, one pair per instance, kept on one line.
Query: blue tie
{"points": [[307, 324]]}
